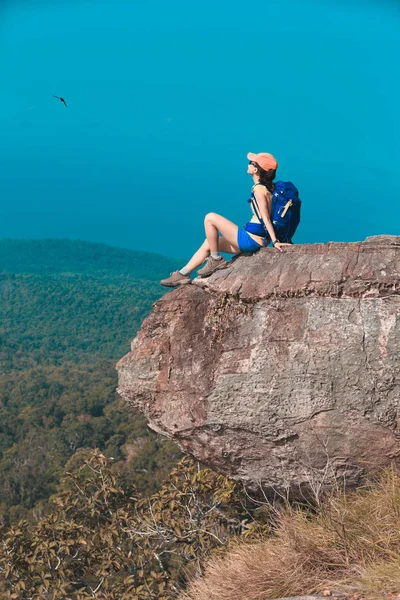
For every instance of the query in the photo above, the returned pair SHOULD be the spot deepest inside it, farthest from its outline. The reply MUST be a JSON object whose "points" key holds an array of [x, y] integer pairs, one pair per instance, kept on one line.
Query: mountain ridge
{"points": [[49, 255]]}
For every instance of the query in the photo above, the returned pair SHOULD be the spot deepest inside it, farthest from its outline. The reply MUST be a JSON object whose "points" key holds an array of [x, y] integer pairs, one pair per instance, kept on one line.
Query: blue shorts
{"points": [[246, 243]]}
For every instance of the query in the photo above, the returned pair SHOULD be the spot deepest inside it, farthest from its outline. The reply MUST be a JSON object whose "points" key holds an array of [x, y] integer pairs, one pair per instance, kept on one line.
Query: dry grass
{"points": [[353, 541]]}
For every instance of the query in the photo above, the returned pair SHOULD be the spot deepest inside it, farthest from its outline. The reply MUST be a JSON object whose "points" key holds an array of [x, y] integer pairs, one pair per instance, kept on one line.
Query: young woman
{"points": [[257, 233]]}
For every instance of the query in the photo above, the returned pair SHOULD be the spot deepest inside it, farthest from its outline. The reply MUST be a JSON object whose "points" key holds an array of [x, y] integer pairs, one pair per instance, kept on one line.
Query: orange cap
{"points": [[265, 160]]}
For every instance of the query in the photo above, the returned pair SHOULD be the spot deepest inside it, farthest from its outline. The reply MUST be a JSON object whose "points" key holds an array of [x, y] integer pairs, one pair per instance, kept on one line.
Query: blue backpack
{"points": [[285, 214]]}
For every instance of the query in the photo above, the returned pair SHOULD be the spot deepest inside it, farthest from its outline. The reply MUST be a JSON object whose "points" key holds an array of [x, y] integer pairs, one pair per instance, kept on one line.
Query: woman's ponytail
{"points": [[267, 178]]}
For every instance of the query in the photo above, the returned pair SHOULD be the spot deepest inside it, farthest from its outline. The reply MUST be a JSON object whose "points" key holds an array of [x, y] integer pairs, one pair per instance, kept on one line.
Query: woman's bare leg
{"points": [[213, 224], [204, 252], [198, 257]]}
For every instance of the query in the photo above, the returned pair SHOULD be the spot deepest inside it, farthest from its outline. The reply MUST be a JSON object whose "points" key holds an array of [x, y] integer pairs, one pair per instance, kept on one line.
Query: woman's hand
{"points": [[278, 245]]}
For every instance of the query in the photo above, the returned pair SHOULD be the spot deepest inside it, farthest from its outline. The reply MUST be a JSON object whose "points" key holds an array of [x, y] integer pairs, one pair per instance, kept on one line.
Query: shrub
{"points": [[352, 542]]}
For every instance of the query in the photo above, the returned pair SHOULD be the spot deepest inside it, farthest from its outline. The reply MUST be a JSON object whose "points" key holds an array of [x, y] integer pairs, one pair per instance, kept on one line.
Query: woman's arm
{"points": [[264, 201]]}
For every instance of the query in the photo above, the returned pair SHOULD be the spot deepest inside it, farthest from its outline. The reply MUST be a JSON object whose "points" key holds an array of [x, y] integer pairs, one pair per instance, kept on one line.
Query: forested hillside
{"points": [[69, 256], [68, 311]]}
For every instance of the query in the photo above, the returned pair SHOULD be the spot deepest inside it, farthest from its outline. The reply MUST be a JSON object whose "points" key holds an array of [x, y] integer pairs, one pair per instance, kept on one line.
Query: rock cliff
{"points": [[281, 370]]}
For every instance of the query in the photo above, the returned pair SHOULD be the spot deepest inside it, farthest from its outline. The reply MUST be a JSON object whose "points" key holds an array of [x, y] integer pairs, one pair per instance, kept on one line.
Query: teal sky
{"points": [[166, 99]]}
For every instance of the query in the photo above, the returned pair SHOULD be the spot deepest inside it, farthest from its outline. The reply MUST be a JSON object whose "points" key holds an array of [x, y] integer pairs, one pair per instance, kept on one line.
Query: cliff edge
{"points": [[281, 370]]}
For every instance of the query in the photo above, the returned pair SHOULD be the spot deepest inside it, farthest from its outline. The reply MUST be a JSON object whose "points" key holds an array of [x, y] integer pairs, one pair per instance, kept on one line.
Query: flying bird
{"points": [[60, 98]]}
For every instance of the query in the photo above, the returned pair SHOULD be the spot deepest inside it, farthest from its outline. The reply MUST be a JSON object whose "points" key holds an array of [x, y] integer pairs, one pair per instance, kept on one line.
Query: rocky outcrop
{"points": [[281, 370]]}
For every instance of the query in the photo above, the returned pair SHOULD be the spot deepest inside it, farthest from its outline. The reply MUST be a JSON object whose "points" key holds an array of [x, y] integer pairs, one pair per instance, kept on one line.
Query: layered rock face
{"points": [[281, 371]]}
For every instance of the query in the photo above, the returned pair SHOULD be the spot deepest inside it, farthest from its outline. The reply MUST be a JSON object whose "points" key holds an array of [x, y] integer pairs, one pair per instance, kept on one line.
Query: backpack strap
{"points": [[254, 202], [256, 209]]}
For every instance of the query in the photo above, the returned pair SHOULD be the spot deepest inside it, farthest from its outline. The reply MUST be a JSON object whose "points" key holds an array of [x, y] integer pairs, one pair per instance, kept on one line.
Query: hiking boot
{"points": [[175, 279], [212, 265]]}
